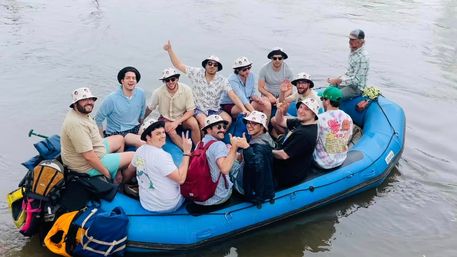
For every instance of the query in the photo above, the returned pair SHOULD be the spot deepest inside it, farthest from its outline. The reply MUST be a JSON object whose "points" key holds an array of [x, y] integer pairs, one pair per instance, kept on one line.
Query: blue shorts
{"points": [[207, 113], [111, 161]]}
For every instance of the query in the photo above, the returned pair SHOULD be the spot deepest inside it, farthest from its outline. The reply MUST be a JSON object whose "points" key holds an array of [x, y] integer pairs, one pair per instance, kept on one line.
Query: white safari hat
{"points": [[312, 104], [213, 119], [169, 72], [212, 58], [257, 117], [241, 62], [81, 94], [303, 76]]}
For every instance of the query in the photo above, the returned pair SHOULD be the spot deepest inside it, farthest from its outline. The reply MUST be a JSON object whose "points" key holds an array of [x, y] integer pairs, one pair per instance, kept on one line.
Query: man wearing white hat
{"points": [[255, 178], [175, 103], [304, 85], [82, 147], [220, 157], [273, 74], [207, 86], [295, 157], [242, 81], [355, 79]]}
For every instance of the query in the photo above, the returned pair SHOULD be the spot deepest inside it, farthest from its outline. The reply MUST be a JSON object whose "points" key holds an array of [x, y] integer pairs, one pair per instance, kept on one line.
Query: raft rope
{"points": [[310, 188]]}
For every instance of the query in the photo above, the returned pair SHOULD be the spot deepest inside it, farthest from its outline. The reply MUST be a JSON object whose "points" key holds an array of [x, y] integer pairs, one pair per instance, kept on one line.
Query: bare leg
{"points": [[175, 138], [263, 106], [225, 116], [235, 111], [201, 119], [116, 143], [133, 139], [192, 124], [129, 173]]}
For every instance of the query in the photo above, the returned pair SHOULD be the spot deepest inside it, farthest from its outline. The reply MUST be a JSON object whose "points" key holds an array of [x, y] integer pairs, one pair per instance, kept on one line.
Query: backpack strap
{"points": [[208, 144], [220, 175]]}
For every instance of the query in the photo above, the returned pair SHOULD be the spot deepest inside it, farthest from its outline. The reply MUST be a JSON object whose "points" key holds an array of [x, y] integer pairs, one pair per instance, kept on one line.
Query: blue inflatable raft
{"points": [[369, 162]]}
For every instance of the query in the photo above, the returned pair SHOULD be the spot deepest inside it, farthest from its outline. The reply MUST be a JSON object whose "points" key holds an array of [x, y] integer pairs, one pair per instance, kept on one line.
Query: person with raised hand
{"points": [[158, 177], [207, 86]]}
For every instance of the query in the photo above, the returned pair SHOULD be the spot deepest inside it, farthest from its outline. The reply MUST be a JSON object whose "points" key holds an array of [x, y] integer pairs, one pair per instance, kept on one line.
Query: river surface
{"points": [[48, 48]]}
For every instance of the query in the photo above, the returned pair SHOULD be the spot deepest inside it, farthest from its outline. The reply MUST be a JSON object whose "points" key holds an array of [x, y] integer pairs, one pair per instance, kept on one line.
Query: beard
{"points": [[86, 109]]}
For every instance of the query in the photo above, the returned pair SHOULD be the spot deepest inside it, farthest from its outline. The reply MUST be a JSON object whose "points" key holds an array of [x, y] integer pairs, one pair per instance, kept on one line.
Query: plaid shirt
{"points": [[356, 75]]}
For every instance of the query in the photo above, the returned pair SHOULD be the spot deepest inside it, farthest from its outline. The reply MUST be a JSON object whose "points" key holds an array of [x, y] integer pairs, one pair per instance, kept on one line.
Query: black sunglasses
{"points": [[173, 79], [245, 69], [276, 58], [220, 126], [214, 64], [323, 98]]}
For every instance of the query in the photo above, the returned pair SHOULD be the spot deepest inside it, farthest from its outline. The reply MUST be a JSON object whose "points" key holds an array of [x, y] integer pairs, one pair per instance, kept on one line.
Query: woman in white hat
{"points": [[242, 81]]}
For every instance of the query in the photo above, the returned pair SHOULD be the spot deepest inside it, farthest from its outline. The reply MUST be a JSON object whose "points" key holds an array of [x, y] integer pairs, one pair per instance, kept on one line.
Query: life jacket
{"points": [[60, 239], [15, 203], [199, 185]]}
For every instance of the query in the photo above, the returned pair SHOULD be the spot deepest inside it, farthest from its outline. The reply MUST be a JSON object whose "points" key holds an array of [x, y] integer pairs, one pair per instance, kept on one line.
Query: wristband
{"points": [[186, 154]]}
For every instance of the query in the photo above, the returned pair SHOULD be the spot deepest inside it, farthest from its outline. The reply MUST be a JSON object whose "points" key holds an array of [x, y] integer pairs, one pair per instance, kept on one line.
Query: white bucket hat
{"points": [[241, 62], [257, 117], [213, 119], [215, 59], [303, 76], [146, 124], [312, 104], [169, 72], [81, 94]]}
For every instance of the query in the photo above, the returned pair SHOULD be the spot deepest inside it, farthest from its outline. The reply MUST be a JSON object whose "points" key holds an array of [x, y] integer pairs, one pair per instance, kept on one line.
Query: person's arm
{"points": [[174, 124], [152, 104], [280, 154], [279, 117], [237, 101], [93, 160], [174, 58], [143, 108], [286, 87], [180, 174], [225, 163], [102, 113], [265, 92]]}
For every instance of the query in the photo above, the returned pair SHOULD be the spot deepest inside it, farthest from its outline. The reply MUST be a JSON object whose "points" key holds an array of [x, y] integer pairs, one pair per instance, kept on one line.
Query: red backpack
{"points": [[199, 185]]}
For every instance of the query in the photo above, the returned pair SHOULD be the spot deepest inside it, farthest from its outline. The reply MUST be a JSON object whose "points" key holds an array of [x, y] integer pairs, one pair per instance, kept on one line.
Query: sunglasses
{"points": [[245, 69], [220, 126], [252, 123], [170, 79], [323, 98], [213, 64], [276, 58]]}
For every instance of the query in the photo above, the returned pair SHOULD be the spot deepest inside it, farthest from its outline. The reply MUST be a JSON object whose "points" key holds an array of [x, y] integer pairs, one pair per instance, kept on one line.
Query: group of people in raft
{"points": [[206, 109]]}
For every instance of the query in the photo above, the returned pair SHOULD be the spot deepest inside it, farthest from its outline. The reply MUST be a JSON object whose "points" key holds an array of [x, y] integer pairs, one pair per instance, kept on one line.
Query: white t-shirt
{"points": [[334, 131], [157, 192]]}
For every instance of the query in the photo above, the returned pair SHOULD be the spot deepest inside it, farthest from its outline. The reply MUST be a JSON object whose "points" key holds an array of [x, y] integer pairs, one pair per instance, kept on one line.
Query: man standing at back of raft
{"points": [[83, 148], [355, 79], [207, 86], [124, 108]]}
